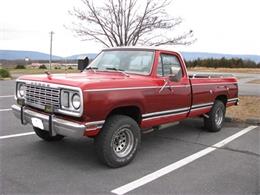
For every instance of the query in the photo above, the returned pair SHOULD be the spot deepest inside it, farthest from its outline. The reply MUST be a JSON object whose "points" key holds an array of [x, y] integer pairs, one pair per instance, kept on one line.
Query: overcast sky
{"points": [[222, 26]]}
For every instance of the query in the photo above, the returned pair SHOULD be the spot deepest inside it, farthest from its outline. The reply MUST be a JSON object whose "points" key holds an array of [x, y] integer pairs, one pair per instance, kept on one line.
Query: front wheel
{"points": [[45, 135], [216, 117], [117, 143]]}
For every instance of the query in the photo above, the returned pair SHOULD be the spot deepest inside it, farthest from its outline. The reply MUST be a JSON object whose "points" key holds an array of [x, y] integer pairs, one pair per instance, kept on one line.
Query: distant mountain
{"points": [[203, 55], [18, 54], [82, 56]]}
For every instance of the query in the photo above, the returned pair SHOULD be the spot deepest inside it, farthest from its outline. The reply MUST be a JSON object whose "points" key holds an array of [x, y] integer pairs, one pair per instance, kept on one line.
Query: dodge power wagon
{"points": [[120, 94]]}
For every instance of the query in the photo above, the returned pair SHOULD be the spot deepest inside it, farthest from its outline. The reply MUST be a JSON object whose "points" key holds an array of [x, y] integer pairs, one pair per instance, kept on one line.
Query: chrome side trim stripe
{"points": [[202, 105], [200, 108], [153, 87], [214, 83], [165, 112], [131, 88], [118, 89], [175, 112], [160, 116], [233, 99]]}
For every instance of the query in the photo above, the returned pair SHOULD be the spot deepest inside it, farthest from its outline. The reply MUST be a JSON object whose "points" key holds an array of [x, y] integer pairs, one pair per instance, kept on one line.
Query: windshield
{"points": [[131, 61]]}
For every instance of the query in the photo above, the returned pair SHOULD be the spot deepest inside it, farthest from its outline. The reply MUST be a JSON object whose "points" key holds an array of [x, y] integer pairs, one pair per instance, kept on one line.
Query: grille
{"points": [[39, 96]]}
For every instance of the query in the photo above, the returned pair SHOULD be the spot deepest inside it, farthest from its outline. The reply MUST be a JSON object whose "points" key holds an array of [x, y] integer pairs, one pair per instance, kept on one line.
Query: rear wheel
{"points": [[45, 135], [216, 117], [117, 143]]}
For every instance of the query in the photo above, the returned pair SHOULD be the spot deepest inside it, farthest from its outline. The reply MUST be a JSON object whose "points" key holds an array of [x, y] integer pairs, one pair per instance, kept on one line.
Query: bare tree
{"points": [[129, 22]]}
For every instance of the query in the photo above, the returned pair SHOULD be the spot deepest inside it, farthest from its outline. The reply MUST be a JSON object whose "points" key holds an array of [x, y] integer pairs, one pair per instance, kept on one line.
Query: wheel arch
{"points": [[222, 98], [132, 111]]}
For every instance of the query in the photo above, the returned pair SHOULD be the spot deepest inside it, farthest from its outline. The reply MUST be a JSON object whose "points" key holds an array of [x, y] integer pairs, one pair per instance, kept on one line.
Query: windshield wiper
{"points": [[118, 70], [92, 68]]}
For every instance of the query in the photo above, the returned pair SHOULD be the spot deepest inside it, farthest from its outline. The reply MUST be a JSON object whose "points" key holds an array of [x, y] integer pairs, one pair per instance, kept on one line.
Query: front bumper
{"points": [[50, 122]]}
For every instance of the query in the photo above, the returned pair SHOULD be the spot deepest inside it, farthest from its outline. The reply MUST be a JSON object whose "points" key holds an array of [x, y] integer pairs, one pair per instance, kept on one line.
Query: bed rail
{"points": [[211, 75]]}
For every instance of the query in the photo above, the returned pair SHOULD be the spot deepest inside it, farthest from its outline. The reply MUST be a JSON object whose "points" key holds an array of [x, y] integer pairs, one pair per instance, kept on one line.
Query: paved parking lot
{"points": [[30, 166]]}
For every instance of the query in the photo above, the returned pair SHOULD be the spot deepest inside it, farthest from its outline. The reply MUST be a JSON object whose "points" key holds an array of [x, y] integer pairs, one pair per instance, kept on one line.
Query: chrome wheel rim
{"points": [[123, 142], [219, 117]]}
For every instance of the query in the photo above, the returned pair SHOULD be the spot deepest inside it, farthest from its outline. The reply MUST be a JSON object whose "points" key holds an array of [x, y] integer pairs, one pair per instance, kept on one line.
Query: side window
{"points": [[165, 63]]}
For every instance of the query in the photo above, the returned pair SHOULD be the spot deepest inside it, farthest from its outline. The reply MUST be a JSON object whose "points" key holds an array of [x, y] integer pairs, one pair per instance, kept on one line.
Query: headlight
{"points": [[71, 101], [65, 95], [21, 89], [76, 101]]}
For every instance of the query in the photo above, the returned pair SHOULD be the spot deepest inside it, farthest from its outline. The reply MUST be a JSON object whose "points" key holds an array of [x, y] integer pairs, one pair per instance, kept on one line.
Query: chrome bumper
{"points": [[50, 123]]}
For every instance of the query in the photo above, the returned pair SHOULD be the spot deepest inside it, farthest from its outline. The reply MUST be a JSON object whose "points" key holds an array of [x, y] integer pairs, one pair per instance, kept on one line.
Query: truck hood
{"points": [[83, 80]]}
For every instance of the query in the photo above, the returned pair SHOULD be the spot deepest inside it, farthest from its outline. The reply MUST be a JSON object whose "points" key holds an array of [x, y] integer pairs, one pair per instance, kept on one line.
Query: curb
{"points": [[251, 121]]}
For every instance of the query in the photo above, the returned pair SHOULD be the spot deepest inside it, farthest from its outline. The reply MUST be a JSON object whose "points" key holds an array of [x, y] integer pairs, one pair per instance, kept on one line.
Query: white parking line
{"points": [[6, 96], [161, 172], [4, 110], [17, 135]]}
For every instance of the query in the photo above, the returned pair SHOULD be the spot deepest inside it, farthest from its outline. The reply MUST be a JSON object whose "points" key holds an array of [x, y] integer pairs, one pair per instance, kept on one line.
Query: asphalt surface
{"points": [[29, 165], [246, 88]]}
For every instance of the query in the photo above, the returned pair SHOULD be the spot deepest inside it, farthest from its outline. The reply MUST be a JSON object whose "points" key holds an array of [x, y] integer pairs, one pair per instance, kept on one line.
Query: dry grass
{"points": [[41, 71], [227, 70], [249, 107], [257, 81]]}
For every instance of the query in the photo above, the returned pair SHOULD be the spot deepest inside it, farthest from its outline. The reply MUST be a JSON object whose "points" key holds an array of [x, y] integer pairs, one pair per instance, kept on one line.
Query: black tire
{"points": [[118, 142], [216, 117], [45, 135]]}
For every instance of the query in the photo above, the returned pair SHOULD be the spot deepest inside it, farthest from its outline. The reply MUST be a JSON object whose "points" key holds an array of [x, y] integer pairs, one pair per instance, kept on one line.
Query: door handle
{"points": [[165, 86]]}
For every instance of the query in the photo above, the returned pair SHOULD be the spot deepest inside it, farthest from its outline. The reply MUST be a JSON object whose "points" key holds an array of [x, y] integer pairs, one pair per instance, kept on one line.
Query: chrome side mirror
{"points": [[176, 74]]}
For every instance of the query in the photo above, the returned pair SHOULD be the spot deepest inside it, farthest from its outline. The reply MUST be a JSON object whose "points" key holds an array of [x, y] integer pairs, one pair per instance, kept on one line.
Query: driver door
{"points": [[173, 98]]}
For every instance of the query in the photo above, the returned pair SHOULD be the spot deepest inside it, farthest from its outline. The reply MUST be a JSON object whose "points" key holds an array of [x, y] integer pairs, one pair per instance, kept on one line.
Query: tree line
{"points": [[222, 63], [211, 63]]}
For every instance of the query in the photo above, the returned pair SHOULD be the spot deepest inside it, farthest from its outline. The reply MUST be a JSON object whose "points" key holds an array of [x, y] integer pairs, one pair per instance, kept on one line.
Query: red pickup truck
{"points": [[123, 92]]}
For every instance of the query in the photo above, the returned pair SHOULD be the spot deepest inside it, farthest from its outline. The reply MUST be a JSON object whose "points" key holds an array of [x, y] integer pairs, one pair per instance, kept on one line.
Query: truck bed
{"points": [[206, 87]]}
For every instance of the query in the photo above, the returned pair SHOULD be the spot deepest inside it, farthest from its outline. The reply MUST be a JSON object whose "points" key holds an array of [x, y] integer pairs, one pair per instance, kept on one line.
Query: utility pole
{"points": [[51, 33]]}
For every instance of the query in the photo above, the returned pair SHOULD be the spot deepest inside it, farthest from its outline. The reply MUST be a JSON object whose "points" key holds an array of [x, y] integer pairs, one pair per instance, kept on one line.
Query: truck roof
{"points": [[151, 48]]}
